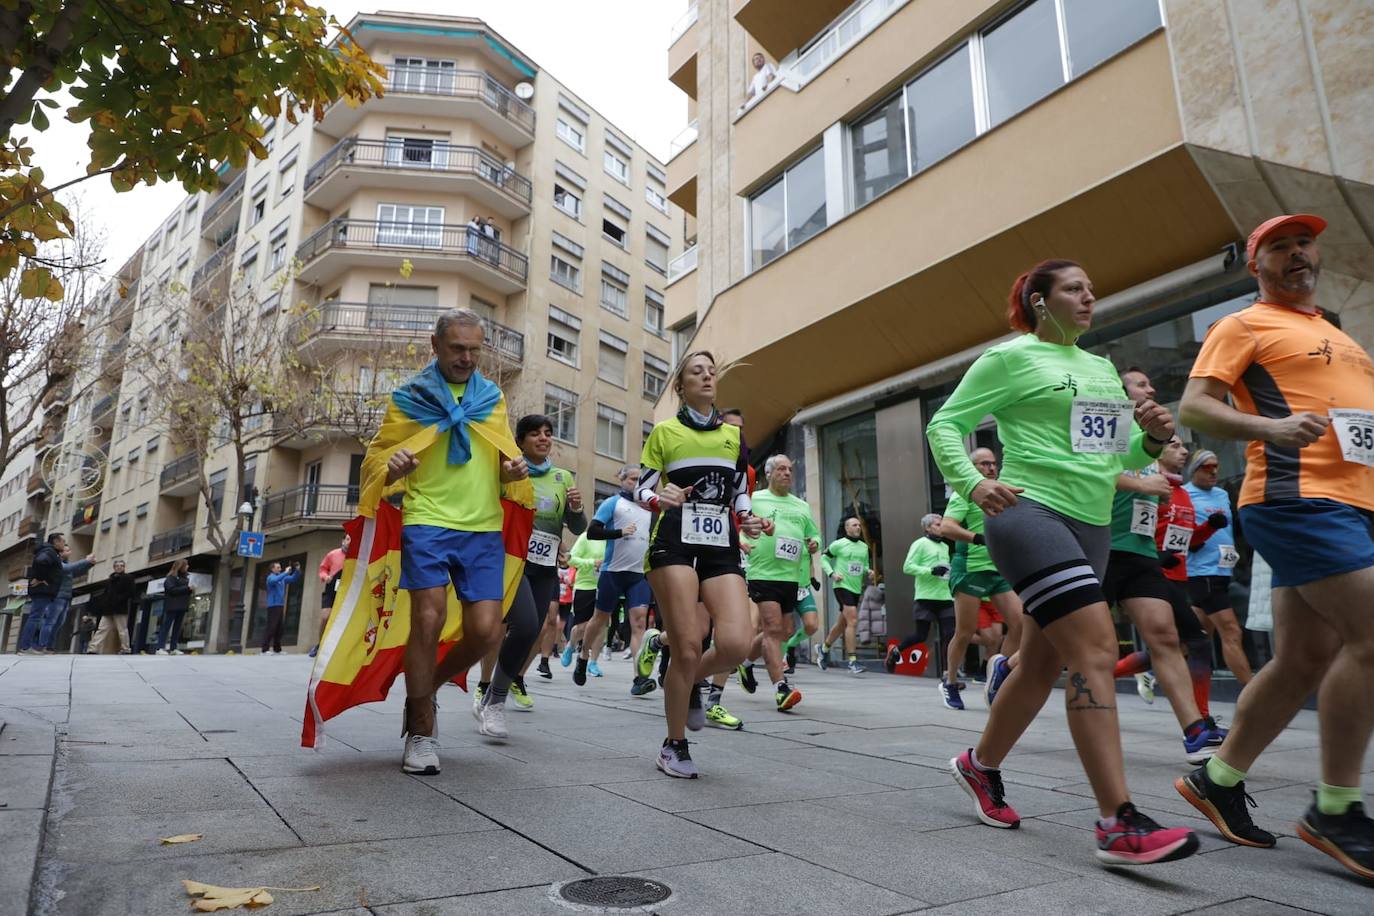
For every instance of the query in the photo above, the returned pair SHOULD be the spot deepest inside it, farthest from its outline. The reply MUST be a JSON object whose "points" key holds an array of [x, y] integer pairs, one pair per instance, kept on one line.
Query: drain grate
{"points": [[615, 892]]}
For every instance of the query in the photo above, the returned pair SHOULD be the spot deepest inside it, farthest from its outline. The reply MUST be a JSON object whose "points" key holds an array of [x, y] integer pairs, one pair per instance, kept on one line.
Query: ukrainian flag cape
{"points": [[363, 649]]}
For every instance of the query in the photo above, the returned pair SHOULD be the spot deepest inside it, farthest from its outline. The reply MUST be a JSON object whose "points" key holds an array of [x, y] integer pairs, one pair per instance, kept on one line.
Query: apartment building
{"points": [[855, 222], [370, 215], [23, 510]]}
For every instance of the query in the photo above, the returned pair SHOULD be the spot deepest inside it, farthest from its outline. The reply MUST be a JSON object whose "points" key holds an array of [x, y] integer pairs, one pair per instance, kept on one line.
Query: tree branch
{"points": [[19, 100]]}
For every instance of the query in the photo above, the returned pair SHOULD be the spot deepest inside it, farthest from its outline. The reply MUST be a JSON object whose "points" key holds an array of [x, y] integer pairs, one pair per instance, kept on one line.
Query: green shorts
{"points": [[806, 601], [981, 584]]}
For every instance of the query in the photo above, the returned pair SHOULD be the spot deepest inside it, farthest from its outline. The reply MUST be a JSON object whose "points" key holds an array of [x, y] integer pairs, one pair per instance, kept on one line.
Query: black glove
{"points": [[939, 571], [979, 540], [1168, 560], [815, 583], [1218, 520]]}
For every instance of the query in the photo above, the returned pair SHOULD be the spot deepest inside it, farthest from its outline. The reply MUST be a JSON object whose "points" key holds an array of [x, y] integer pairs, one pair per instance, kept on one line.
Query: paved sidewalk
{"points": [[845, 805]]}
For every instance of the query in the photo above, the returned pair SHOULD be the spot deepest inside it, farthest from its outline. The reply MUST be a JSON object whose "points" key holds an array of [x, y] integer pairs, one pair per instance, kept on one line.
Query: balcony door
{"points": [[410, 226], [311, 501], [402, 308], [423, 74], [416, 152]]}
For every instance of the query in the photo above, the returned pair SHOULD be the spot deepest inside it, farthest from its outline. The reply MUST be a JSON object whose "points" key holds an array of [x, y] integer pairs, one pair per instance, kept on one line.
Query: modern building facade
{"points": [[477, 180], [855, 225]]}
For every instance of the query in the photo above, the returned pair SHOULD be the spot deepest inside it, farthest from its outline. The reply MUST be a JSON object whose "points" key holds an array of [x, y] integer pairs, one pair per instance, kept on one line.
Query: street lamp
{"points": [[247, 509]]}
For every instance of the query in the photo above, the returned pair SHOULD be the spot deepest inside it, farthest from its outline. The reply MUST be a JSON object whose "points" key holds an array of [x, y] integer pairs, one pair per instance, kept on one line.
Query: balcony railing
{"points": [[686, 138], [36, 484], [179, 470], [796, 71], [229, 197], [461, 84], [683, 264], [174, 540], [103, 406], [221, 258], [430, 157], [683, 24], [29, 526], [368, 319], [80, 519], [309, 503], [374, 235]]}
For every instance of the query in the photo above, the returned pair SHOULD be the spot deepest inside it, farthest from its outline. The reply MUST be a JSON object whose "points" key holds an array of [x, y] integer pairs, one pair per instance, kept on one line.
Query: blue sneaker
{"points": [[1200, 746], [949, 695], [998, 670], [567, 656], [593, 668]]}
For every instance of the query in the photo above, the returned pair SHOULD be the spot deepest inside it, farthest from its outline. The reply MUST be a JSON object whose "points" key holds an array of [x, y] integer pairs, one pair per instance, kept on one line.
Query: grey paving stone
{"points": [[24, 782], [81, 838], [881, 770], [1069, 897], [1248, 906], [25, 734], [20, 837], [947, 805], [154, 787]]}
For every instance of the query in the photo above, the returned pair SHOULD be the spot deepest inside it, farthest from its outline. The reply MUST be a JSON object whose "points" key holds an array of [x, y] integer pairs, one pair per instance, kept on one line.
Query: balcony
{"points": [[343, 244], [861, 20], [102, 407], [682, 53], [85, 517], [782, 26], [222, 215], [171, 542], [213, 267], [682, 169], [310, 506], [180, 477], [469, 95], [683, 264], [36, 484], [413, 165], [350, 325]]}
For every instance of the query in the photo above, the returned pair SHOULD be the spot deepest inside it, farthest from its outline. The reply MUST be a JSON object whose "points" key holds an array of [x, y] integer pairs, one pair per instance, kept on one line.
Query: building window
{"points": [[878, 151], [653, 311], [1098, 30], [565, 274], [603, 490], [258, 208], [682, 337], [656, 254], [417, 152], [276, 258], [560, 406], [1022, 60], [286, 180], [616, 167], [656, 198], [610, 432], [939, 110], [567, 201], [645, 429], [564, 331], [571, 135], [615, 231], [610, 361], [767, 224], [422, 74], [655, 376], [411, 226], [614, 283]]}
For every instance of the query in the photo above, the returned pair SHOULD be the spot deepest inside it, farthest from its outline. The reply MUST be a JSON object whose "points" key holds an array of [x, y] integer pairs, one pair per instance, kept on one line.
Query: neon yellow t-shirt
{"points": [[462, 497]]}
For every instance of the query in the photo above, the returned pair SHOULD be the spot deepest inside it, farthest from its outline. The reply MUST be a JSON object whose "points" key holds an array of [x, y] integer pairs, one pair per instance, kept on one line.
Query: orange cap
{"points": [[1267, 228]]}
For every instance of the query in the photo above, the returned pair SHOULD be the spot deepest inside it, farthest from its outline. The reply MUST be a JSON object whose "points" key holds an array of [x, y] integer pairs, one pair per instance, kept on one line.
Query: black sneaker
{"points": [[791, 667], [1348, 838], [747, 679], [641, 686], [544, 671], [1227, 809], [580, 672]]}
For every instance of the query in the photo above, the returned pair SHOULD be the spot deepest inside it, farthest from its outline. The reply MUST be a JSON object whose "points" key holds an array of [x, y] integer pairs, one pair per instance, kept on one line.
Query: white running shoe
{"points": [[605, 653], [421, 756], [491, 721], [1145, 686], [478, 695], [162, 652]]}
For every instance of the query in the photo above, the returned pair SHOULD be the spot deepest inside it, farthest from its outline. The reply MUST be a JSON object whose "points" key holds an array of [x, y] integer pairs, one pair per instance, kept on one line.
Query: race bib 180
{"points": [[1101, 427], [1355, 431], [705, 525]]}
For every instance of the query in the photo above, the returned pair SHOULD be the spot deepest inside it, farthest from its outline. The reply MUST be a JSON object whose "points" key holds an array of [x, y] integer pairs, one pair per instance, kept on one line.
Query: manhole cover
{"points": [[615, 892]]}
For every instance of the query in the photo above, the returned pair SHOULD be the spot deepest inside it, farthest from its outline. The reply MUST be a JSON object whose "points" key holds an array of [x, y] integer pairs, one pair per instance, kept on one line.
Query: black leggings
{"points": [[523, 623]]}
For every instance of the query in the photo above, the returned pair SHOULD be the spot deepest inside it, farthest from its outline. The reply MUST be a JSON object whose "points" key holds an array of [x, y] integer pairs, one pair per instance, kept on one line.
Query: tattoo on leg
{"points": [[1083, 695]]}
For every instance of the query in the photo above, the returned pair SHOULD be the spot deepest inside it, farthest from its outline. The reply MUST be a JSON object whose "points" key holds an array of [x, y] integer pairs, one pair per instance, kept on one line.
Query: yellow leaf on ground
{"points": [[214, 897], [182, 838]]}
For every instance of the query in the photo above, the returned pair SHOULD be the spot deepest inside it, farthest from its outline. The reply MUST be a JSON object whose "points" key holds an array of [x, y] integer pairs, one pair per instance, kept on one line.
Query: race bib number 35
{"points": [[705, 526], [1101, 427], [543, 549], [1355, 431]]}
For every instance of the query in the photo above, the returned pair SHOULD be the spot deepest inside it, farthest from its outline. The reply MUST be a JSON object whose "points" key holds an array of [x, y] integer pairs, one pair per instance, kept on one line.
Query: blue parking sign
{"points": [[250, 543]]}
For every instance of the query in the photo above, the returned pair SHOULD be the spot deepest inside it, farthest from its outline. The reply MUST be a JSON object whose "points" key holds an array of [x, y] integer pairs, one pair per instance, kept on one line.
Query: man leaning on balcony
{"points": [[446, 438]]}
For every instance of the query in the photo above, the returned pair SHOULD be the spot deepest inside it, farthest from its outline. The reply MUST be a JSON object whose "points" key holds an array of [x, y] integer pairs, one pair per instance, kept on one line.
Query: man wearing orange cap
{"points": [[1303, 395]]}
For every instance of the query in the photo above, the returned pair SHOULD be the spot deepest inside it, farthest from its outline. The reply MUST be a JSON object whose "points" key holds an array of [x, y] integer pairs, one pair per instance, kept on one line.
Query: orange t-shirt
{"points": [[1278, 362]]}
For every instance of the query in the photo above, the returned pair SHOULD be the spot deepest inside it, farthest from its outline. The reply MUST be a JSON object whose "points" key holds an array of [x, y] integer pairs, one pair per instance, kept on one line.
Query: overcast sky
{"points": [[613, 53]]}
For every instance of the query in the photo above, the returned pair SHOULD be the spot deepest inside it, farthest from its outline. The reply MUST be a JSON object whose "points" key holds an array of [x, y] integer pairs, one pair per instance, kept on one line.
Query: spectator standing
{"points": [[476, 229], [114, 613], [176, 598], [764, 75], [48, 637], [82, 637], [45, 578], [277, 581]]}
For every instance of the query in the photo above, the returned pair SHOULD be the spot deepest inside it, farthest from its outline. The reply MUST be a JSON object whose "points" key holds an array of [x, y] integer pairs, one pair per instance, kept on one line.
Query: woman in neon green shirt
{"points": [[1068, 430]]}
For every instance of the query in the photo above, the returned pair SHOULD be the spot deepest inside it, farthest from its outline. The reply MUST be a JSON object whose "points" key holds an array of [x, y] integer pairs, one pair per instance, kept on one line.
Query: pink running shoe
{"points": [[1137, 840], [985, 788]]}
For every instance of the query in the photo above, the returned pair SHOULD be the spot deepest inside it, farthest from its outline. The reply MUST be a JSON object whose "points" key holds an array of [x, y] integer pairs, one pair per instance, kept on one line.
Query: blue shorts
{"points": [[612, 586], [1304, 540], [475, 561]]}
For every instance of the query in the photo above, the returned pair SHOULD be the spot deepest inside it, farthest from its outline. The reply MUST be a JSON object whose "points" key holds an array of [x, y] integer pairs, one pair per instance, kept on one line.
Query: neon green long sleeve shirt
{"points": [[583, 557], [1050, 403], [926, 554]]}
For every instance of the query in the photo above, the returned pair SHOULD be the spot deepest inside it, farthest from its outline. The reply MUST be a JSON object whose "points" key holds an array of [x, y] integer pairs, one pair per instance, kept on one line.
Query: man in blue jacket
{"points": [[45, 579], [277, 581]]}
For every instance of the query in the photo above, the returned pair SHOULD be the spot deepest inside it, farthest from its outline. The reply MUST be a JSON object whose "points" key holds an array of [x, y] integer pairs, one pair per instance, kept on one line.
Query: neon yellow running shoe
{"points": [[521, 696], [720, 717]]}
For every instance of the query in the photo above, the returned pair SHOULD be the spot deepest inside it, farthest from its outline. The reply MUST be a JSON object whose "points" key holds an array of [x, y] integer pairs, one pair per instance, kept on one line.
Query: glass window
{"points": [[653, 312], [1021, 60], [616, 167], [849, 480], [767, 235], [560, 406], [1097, 29], [567, 201], [655, 376], [565, 274], [656, 254], [879, 151], [939, 107], [655, 198], [570, 135], [614, 296], [805, 198], [610, 432], [563, 337], [614, 231]]}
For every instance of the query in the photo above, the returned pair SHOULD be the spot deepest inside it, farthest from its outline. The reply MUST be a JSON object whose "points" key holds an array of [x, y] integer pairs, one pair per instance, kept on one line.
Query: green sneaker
{"points": [[720, 717], [648, 655], [521, 697]]}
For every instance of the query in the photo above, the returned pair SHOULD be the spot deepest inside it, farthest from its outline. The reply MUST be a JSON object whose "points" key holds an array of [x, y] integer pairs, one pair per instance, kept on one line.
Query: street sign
{"points": [[250, 543]]}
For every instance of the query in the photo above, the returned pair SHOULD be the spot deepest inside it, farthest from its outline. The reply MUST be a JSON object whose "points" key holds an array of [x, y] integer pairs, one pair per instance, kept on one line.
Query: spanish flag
{"points": [[363, 649]]}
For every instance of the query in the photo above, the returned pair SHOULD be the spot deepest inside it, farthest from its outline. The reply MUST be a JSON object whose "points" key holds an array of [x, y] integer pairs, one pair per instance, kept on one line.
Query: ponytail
{"points": [[1039, 279]]}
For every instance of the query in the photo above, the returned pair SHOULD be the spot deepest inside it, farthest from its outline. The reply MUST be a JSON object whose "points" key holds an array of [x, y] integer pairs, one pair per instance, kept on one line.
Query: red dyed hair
{"points": [[1039, 279]]}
